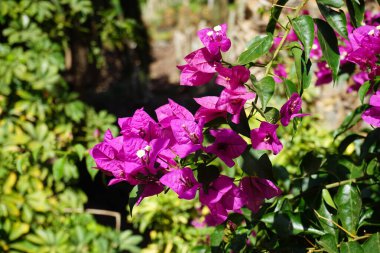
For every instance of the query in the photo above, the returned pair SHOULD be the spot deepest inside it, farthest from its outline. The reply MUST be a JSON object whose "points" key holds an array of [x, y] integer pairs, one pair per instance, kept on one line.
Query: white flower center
{"points": [[140, 153], [210, 33], [315, 46], [378, 27], [372, 32], [217, 28], [148, 148]]}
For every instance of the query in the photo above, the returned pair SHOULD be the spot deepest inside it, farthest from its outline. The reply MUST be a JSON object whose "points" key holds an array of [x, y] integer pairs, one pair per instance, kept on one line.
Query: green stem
{"points": [[269, 66], [348, 181], [259, 110]]}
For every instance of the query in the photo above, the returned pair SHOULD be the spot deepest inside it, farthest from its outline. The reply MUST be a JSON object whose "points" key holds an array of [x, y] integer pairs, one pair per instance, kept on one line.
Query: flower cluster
{"points": [[150, 153]]}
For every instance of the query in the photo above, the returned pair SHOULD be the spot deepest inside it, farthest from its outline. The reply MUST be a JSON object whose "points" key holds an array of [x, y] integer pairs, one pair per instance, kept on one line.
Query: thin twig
{"points": [[287, 31], [336, 224]]}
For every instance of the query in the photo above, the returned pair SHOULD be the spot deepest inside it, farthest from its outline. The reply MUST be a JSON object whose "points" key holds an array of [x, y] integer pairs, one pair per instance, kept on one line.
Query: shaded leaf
{"points": [[272, 115], [336, 19], [356, 11], [310, 163], [332, 3], [275, 14], [329, 46]]}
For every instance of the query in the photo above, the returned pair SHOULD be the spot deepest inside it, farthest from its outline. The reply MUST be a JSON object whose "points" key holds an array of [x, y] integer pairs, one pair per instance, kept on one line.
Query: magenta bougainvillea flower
{"points": [[323, 74], [202, 60], [265, 138], [372, 115], [280, 73], [227, 146], [215, 39], [208, 110], [291, 108], [150, 189], [182, 182], [188, 135], [316, 51], [232, 101], [200, 67], [365, 44], [358, 78], [221, 197], [170, 111], [232, 78], [258, 189], [140, 124], [191, 76]]}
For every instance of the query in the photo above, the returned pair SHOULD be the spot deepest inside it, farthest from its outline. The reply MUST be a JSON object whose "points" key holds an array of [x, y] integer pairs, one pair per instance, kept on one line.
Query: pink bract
{"points": [[265, 138], [291, 108], [258, 189], [215, 39], [232, 78], [182, 182], [232, 101], [227, 146], [222, 196]]}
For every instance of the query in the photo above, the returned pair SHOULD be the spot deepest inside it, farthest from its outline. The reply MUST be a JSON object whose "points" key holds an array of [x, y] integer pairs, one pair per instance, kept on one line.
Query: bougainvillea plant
{"points": [[177, 150]]}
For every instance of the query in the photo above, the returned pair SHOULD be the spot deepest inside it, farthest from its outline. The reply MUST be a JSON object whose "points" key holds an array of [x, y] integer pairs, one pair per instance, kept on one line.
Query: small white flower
{"points": [[140, 153], [217, 28]]}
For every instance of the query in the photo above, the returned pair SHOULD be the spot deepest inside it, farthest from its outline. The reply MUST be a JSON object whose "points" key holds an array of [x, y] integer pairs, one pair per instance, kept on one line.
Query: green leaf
{"points": [[372, 244], [310, 163], [351, 119], [351, 247], [327, 224], [290, 87], [217, 236], [272, 115], [288, 223], [349, 203], [329, 46], [302, 67], [332, 3], [336, 19], [363, 90], [18, 229], [265, 90], [275, 14], [327, 198], [356, 11], [347, 141], [304, 28], [58, 168], [259, 46], [328, 244], [207, 174], [90, 164]]}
